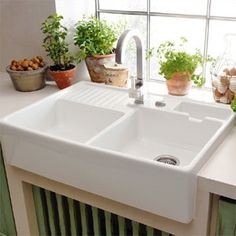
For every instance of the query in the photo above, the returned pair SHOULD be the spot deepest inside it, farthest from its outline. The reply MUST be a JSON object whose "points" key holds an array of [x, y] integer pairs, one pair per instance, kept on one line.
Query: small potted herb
{"points": [[58, 50], [178, 67], [95, 39], [233, 104]]}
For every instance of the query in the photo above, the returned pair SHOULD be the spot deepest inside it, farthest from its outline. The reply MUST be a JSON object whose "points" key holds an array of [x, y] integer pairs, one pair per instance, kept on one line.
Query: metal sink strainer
{"points": [[167, 159]]}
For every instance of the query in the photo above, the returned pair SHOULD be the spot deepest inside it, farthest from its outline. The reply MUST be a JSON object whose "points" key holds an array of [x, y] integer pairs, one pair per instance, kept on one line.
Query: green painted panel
{"points": [[1, 234], [150, 231], [7, 224], [62, 220], [40, 211], [96, 226], [121, 222], [83, 219], [108, 223], [164, 234], [226, 225], [66, 218], [51, 214], [135, 226], [72, 217]]}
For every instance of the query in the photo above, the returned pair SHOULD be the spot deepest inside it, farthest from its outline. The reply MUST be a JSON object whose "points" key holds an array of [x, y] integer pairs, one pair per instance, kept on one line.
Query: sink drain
{"points": [[159, 104], [167, 159]]}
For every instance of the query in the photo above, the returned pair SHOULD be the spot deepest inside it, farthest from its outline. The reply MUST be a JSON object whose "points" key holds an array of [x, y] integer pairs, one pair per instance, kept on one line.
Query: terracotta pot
{"points": [[64, 78], [116, 75], [179, 84], [95, 66]]}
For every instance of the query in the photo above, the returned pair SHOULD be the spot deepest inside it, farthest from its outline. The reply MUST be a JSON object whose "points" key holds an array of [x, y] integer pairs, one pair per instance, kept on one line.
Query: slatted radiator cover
{"points": [[59, 215]]}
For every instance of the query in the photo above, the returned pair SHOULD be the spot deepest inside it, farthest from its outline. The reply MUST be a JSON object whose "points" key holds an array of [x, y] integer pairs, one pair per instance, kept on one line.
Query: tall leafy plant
{"points": [[55, 42]]}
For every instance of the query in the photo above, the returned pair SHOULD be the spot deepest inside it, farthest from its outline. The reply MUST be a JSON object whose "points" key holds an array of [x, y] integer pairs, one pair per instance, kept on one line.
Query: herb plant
{"points": [[94, 37], [233, 104], [173, 58], [55, 43]]}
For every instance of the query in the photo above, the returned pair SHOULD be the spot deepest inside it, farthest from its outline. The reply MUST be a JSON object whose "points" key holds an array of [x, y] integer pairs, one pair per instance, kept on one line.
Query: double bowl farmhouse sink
{"points": [[92, 137]]}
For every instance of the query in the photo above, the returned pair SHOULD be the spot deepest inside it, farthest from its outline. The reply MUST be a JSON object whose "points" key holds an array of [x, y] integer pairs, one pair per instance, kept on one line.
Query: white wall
{"points": [[72, 11], [20, 23], [1, 33], [20, 28]]}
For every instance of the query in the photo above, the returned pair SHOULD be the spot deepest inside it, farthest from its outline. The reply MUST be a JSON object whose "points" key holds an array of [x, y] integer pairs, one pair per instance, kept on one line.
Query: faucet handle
{"points": [[135, 90], [132, 90], [136, 83]]}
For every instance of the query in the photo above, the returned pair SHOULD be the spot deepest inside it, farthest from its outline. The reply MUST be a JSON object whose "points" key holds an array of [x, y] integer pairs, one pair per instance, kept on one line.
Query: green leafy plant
{"points": [[55, 43], [233, 104], [173, 58], [94, 37]]}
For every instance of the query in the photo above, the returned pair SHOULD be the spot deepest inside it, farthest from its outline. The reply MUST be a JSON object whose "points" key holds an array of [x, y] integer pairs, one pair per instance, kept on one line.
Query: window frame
{"points": [[148, 13]]}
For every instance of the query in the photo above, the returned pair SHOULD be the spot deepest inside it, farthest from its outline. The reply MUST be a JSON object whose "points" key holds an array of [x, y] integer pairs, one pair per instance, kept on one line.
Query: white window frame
{"points": [[148, 13]]}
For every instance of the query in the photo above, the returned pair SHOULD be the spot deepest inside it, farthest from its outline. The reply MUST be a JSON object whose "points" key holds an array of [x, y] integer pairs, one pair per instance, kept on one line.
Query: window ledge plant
{"points": [[178, 67], [55, 44], [95, 39]]}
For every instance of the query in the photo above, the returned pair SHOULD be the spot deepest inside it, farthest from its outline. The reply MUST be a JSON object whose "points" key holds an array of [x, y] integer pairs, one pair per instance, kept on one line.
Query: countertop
{"points": [[217, 176], [12, 100]]}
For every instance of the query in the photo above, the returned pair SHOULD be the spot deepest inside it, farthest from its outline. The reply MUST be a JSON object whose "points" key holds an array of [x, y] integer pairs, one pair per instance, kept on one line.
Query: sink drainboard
{"points": [[167, 159]]}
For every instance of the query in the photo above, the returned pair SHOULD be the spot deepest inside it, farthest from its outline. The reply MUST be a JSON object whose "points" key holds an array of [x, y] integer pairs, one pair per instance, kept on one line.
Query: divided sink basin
{"points": [[148, 134], [92, 137], [200, 111], [66, 119]]}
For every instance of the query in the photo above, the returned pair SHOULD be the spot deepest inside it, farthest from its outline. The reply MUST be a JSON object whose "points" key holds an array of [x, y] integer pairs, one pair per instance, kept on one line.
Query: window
{"points": [[203, 22]]}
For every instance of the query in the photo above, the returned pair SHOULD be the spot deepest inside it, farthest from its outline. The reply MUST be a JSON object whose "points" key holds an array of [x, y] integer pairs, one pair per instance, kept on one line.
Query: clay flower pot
{"points": [[95, 66], [179, 84], [63, 78]]}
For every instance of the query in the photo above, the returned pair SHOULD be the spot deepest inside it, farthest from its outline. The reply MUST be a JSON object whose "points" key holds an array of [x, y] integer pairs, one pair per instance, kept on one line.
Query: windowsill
{"points": [[196, 94]]}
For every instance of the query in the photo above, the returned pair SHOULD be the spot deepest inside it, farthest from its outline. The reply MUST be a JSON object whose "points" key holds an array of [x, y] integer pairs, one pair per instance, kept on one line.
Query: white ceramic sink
{"points": [[149, 133], [91, 137], [66, 119]]}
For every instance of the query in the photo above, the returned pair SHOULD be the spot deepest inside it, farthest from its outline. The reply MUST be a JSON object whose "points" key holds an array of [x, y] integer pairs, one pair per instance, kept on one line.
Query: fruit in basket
{"points": [[27, 64]]}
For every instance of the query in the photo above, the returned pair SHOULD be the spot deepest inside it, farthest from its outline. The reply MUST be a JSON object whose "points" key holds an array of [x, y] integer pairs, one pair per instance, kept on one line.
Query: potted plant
{"points": [[178, 67], [58, 50], [233, 104], [95, 39]]}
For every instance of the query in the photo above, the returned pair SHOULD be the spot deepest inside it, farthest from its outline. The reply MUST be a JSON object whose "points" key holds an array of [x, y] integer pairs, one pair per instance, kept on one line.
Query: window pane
{"points": [[217, 44], [130, 22], [179, 6], [223, 8], [171, 28], [137, 5], [216, 36]]}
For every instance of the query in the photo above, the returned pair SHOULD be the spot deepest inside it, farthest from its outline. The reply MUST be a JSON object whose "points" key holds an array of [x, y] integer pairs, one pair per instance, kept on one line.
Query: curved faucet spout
{"points": [[136, 84], [122, 44]]}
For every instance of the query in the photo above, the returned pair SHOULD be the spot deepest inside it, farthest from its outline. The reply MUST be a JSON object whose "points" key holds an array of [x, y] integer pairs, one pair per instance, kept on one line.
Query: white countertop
{"points": [[217, 176], [12, 100]]}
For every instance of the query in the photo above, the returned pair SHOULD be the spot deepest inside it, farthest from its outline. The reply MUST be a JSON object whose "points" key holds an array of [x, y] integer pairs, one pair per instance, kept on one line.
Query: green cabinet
{"points": [[7, 224], [226, 221], [60, 215]]}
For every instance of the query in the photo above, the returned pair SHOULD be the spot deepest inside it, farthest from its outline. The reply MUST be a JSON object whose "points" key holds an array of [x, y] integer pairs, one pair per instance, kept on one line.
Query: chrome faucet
{"points": [[136, 83]]}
